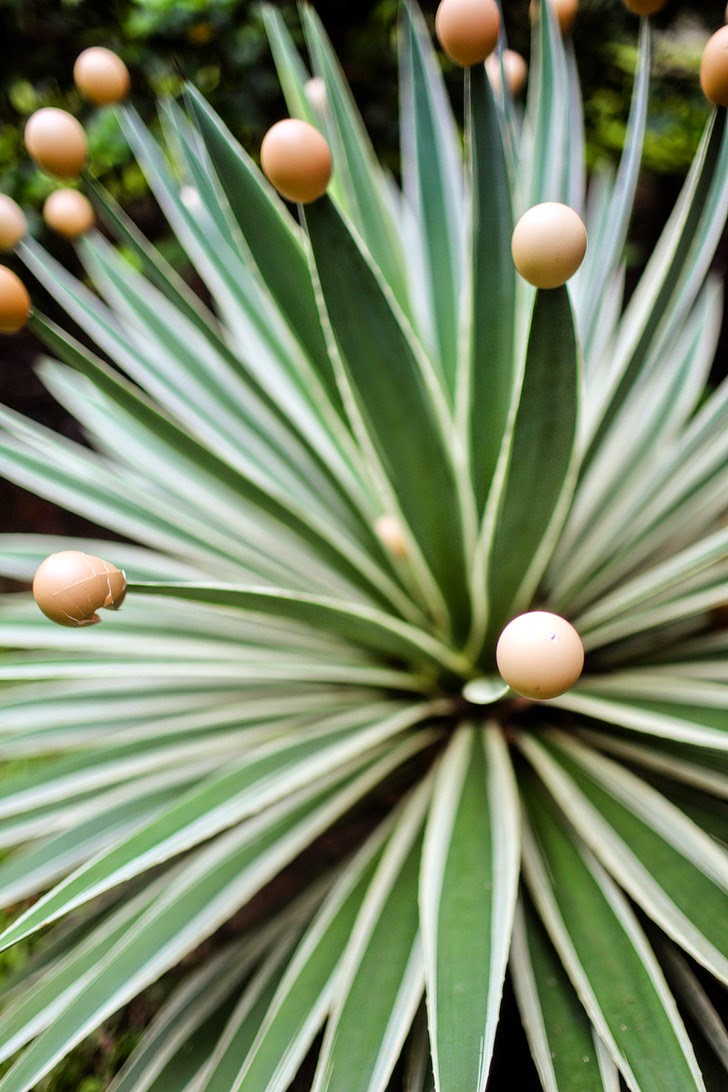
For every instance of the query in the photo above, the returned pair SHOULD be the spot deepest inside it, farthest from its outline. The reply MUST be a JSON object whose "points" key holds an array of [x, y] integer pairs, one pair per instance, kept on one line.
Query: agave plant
{"points": [[288, 775]]}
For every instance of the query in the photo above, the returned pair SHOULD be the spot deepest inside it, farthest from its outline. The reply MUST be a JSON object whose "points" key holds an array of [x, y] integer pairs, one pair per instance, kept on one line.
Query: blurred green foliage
{"points": [[220, 45]]}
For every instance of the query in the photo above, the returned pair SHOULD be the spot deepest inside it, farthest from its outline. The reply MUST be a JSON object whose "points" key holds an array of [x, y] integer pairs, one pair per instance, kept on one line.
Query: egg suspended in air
{"points": [[101, 76], [296, 159], [69, 213], [540, 655], [468, 30], [70, 586], [714, 68], [57, 142], [644, 7], [548, 244], [14, 302], [13, 225], [515, 70]]}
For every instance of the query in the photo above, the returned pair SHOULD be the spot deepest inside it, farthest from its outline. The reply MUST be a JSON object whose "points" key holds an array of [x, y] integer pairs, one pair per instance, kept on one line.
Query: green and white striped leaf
{"points": [[258, 786], [240, 1030], [594, 930], [486, 377], [706, 1018], [432, 177], [537, 465], [370, 628], [307, 988], [381, 978], [669, 866], [568, 1054], [270, 234], [214, 883], [292, 73], [699, 726], [468, 887], [672, 278], [544, 155], [606, 246], [355, 164], [205, 995]]}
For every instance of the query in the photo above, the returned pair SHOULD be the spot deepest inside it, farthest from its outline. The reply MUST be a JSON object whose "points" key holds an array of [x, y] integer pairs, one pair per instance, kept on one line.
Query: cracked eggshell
{"points": [[57, 142], [13, 225], [548, 244], [540, 655], [70, 586], [101, 76], [714, 68], [69, 213], [14, 302], [467, 30], [296, 159]]}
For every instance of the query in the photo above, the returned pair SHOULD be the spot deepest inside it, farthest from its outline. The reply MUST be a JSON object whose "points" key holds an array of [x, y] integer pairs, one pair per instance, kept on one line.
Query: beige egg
{"points": [[70, 586], [57, 142], [467, 30], [644, 7], [548, 244], [564, 10], [297, 160], [13, 225], [540, 655], [69, 212], [14, 302], [714, 68], [101, 76], [388, 530], [515, 70]]}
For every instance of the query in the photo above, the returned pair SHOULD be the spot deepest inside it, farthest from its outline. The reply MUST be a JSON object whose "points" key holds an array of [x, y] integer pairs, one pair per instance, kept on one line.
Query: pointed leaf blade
{"points": [[467, 895], [594, 931], [541, 456]]}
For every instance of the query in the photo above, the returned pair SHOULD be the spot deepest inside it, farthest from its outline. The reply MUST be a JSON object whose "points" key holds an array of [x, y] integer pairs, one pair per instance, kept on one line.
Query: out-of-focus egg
{"points": [[101, 76], [514, 68], [13, 225], [467, 29], [14, 302], [57, 142], [714, 68], [69, 213]]}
